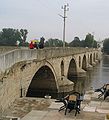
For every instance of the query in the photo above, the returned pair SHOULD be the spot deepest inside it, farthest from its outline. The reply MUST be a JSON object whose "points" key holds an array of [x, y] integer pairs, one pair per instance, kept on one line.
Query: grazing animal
{"points": [[71, 102], [104, 91]]}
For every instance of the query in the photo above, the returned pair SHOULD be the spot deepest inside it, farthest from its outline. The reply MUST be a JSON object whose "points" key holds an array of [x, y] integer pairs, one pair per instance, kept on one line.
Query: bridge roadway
{"points": [[32, 73]]}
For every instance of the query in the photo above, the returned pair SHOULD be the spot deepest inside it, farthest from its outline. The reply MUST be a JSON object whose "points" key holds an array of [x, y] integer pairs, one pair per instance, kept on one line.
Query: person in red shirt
{"points": [[31, 45]]}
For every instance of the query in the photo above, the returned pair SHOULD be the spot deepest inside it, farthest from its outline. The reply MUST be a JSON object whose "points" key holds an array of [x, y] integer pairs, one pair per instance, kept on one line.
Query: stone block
{"points": [[89, 109]]}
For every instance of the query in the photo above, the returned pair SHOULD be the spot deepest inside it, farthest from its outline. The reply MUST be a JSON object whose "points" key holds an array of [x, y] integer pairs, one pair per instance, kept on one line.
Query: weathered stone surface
{"points": [[21, 65]]}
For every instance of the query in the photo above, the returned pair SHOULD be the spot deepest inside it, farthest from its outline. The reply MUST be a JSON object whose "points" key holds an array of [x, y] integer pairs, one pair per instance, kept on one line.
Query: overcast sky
{"points": [[40, 18]]}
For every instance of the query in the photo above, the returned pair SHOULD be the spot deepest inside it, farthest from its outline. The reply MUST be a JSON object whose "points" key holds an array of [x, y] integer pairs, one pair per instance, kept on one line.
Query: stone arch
{"points": [[43, 83], [84, 65], [62, 68], [72, 70]]}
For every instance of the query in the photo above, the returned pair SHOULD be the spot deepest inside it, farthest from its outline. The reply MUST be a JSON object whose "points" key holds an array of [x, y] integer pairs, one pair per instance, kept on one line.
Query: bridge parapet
{"points": [[59, 52], [10, 58], [4, 49]]}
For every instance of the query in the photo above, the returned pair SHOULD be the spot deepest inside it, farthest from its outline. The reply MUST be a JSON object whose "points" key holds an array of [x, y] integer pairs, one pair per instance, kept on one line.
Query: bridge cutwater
{"points": [[35, 73]]}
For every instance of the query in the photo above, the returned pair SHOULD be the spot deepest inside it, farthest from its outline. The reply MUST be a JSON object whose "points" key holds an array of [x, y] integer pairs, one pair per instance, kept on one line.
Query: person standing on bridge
{"points": [[41, 43], [36, 44], [31, 45]]}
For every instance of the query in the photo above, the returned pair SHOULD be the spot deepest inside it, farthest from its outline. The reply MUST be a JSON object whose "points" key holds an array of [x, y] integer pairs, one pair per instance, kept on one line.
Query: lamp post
{"points": [[65, 8]]}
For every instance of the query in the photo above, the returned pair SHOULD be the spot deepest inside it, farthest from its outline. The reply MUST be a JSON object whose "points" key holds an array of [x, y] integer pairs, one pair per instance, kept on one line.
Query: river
{"points": [[95, 78]]}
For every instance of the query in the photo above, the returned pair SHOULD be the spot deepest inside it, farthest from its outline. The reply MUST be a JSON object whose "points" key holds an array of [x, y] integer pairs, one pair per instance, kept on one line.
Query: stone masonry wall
{"points": [[10, 86], [10, 58]]}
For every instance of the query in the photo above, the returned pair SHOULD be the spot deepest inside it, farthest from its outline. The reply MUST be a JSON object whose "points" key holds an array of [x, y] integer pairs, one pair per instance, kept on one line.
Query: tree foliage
{"points": [[54, 43], [106, 46], [89, 41], [23, 33], [75, 43], [9, 36]]}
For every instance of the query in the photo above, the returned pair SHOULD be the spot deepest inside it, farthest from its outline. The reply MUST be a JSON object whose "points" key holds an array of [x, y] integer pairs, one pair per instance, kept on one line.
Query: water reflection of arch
{"points": [[84, 65], [72, 69], [42, 83]]}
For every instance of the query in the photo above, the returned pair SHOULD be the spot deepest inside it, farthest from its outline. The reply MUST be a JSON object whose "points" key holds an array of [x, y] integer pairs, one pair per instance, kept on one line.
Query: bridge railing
{"points": [[59, 52], [10, 58]]}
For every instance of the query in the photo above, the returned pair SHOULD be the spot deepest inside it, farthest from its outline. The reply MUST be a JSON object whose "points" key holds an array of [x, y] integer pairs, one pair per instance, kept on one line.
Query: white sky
{"points": [[40, 18]]}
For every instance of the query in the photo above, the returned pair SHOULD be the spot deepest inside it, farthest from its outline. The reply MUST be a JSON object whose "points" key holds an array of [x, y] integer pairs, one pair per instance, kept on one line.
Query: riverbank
{"points": [[43, 109]]}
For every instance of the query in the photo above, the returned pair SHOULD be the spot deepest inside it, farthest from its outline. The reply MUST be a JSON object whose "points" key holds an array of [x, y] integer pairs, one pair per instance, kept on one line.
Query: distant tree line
{"points": [[106, 46], [9, 36], [54, 43], [88, 42]]}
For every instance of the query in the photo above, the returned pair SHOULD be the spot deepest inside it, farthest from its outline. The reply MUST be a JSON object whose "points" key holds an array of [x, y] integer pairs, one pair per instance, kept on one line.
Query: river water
{"points": [[95, 78]]}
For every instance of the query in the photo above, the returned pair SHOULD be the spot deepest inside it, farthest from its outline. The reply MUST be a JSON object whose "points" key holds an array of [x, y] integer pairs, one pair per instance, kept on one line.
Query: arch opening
{"points": [[90, 59], [43, 83], [79, 61], [62, 68], [94, 57], [72, 70], [84, 65]]}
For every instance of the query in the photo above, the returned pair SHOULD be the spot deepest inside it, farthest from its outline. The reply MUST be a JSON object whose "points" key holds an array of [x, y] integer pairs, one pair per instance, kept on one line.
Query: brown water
{"points": [[95, 78]]}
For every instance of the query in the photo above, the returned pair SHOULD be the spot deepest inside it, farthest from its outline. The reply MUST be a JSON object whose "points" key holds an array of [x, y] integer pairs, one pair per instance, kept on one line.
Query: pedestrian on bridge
{"points": [[31, 45], [41, 43]]}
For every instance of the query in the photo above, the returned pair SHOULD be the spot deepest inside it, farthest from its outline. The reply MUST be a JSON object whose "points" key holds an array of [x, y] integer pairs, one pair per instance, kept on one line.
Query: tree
{"points": [[106, 46], [89, 40], [53, 43], [9, 36], [24, 33], [75, 43], [82, 43], [95, 44]]}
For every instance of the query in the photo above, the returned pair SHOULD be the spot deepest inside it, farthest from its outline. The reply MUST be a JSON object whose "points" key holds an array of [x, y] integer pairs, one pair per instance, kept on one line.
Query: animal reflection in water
{"points": [[104, 91]]}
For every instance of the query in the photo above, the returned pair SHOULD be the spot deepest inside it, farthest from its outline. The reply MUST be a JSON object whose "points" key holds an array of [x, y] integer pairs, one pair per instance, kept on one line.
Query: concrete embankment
{"points": [[92, 108]]}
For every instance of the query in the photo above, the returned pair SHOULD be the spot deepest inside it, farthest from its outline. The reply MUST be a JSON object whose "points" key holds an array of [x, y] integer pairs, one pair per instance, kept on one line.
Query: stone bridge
{"points": [[25, 72]]}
